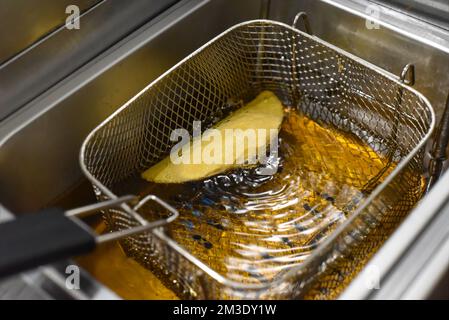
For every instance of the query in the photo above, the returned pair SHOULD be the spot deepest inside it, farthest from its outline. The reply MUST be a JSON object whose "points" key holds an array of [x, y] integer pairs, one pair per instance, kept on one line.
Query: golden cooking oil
{"points": [[250, 227]]}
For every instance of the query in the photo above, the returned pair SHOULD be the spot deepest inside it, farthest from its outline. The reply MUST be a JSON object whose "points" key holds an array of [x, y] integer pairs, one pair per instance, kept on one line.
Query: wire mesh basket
{"points": [[329, 85]]}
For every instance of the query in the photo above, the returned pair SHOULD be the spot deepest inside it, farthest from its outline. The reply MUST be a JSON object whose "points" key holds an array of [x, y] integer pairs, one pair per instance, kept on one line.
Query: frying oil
{"points": [[250, 227]]}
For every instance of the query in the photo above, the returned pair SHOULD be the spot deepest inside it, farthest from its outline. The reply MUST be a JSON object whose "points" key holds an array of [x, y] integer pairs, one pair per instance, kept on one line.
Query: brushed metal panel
{"points": [[42, 65], [26, 21]]}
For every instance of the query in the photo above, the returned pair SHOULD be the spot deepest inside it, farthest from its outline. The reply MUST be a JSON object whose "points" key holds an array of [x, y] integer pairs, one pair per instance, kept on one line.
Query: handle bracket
{"points": [[408, 74], [305, 20], [116, 235]]}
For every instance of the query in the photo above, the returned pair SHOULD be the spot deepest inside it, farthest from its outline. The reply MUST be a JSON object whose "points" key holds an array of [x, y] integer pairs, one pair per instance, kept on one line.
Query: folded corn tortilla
{"points": [[264, 112]]}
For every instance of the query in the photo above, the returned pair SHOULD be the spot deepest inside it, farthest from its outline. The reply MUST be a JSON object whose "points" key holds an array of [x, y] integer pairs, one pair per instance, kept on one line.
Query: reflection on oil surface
{"points": [[251, 227]]}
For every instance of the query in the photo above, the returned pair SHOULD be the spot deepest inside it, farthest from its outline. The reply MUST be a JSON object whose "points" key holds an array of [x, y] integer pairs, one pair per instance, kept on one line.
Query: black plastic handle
{"points": [[38, 239]]}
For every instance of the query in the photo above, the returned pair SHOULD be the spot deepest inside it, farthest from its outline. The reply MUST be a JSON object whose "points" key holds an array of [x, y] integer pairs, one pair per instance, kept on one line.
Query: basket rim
{"points": [[296, 271]]}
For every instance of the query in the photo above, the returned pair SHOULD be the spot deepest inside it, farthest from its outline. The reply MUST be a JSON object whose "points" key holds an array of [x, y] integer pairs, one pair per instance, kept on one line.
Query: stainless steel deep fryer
{"points": [[329, 85]]}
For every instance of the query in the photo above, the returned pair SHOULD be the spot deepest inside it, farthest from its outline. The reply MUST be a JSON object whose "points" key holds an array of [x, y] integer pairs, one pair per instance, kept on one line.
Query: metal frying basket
{"points": [[329, 85]]}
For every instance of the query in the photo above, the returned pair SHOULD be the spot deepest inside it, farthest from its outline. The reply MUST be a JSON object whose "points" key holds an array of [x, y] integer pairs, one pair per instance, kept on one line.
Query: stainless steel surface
{"points": [[400, 39], [42, 65], [432, 11], [414, 260], [25, 22], [423, 266], [17, 288], [52, 280], [264, 9], [39, 146]]}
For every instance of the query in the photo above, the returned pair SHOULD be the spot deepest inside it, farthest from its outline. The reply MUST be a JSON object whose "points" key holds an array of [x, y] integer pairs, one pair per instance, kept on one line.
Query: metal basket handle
{"points": [[37, 239], [116, 235]]}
